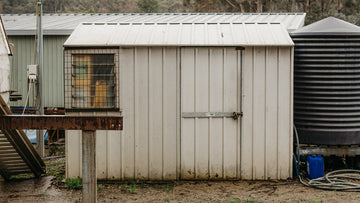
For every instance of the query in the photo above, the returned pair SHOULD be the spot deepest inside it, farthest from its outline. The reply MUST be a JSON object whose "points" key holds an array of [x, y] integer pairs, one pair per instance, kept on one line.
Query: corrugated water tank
{"points": [[327, 83]]}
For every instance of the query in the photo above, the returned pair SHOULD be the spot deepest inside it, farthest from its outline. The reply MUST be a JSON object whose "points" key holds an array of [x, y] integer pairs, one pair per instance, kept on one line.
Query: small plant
{"points": [[53, 164], [132, 188], [166, 200], [166, 187], [60, 179], [234, 200], [55, 173], [73, 183], [99, 187], [28, 176], [249, 199], [124, 188], [317, 199]]}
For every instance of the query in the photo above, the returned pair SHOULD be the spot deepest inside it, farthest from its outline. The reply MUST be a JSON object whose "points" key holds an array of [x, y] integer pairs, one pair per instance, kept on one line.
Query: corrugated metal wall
{"points": [[210, 85], [266, 137], [150, 146], [53, 88], [147, 148], [4, 70]]}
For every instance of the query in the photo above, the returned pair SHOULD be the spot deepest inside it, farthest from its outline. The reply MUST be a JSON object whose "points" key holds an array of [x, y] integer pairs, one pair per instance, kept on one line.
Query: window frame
{"points": [[70, 104]]}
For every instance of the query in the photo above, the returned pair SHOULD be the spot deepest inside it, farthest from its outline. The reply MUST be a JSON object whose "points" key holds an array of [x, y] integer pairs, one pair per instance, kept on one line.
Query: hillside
{"points": [[348, 10]]}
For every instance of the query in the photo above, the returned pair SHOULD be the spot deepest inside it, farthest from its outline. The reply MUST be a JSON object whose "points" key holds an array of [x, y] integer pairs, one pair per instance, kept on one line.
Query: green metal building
{"points": [[53, 69], [57, 27]]}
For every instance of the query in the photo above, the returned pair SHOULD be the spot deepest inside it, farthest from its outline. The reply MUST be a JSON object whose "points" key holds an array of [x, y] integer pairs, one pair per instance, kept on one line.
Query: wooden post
{"points": [[89, 179]]}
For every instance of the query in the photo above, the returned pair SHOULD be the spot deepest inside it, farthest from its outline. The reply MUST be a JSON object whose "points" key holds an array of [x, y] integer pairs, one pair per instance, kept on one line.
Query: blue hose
{"points": [[296, 166]]}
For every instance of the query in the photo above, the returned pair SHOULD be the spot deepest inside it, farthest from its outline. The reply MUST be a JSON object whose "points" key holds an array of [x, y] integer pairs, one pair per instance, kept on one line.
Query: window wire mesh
{"points": [[92, 81]]}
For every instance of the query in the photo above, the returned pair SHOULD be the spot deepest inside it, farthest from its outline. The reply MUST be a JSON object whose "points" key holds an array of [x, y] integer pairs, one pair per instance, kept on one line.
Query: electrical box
{"points": [[32, 72]]}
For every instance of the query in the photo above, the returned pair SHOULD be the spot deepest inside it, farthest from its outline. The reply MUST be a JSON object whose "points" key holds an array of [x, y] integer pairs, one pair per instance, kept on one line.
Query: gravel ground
{"points": [[51, 188]]}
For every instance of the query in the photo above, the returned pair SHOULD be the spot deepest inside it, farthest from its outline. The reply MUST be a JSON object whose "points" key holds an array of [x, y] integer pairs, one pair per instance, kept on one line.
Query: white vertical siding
{"points": [[73, 153], [127, 105], [187, 105], [231, 140], [210, 83], [108, 154], [147, 148], [266, 142], [141, 111], [271, 128], [4, 69]]}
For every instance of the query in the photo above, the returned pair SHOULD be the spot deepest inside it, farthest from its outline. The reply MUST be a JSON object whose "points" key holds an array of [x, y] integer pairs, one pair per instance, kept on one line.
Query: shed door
{"points": [[210, 94]]}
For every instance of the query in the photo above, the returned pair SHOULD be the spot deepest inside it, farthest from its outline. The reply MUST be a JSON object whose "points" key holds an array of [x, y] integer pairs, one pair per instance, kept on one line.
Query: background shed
{"points": [[57, 28], [177, 86]]}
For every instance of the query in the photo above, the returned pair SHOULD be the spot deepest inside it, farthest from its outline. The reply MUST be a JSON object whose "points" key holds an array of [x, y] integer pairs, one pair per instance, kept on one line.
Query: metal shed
{"points": [[177, 86], [57, 28]]}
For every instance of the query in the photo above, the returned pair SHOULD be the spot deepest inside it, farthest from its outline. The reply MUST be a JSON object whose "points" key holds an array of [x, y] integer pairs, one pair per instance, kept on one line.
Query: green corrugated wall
{"points": [[53, 88]]}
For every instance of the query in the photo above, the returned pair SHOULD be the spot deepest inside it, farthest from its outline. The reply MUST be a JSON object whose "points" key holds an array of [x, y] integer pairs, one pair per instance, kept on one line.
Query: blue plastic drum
{"points": [[315, 166]]}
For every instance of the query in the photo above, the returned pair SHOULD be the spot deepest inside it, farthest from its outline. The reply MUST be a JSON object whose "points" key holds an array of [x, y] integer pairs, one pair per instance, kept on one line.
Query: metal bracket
{"points": [[330, 150], [234, 115]]}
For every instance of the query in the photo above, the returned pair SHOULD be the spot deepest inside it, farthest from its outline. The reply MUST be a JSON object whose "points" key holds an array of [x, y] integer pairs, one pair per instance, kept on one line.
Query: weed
{"points": [[131, 188], [164, 187], [124, 188], [73, 183], [168, 187], [28, 176], [316, 199], [166, 200], [234, 200], [56, 172], [99, 187], [53, 164], [60, 179], [249, 199]]}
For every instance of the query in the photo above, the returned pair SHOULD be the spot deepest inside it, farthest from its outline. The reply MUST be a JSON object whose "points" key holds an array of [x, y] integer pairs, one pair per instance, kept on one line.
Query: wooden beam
{"points": [[51, 122]]}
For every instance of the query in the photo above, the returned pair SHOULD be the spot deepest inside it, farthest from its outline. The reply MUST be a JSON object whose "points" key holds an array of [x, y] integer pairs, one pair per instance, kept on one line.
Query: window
{"points": [[93, 81]]}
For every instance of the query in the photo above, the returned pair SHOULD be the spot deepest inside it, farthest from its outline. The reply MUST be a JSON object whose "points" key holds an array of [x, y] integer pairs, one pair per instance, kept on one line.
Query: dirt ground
{"points": [[52, 188]]}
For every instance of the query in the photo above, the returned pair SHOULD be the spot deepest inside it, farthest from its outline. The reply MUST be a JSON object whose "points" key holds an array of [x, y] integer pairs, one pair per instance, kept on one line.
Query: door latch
{"points": [[236, 115]]}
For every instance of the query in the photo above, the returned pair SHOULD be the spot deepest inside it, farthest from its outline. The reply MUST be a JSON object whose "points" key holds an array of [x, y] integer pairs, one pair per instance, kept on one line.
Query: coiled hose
{"points": [[333, 181]]}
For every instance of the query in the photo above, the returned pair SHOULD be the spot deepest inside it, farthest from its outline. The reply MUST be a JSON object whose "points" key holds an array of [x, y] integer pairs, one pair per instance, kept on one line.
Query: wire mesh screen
{"points": [[91, 81]]}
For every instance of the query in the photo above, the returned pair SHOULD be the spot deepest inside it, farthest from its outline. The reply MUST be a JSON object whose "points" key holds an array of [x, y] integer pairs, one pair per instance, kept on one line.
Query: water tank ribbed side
{"points": [[327, 89]]}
